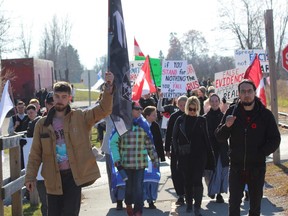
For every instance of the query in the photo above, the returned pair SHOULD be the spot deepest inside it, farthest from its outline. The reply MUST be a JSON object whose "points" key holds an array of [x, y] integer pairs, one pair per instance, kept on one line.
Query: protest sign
{"points": [[192, 81], [135, 67], [174, 78], [26, 152], [226, 83], [243, 58]]}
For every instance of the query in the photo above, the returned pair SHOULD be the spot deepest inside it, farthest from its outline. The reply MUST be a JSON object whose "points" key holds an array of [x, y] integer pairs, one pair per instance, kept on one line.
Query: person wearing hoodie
{"points": [[253, 135]]}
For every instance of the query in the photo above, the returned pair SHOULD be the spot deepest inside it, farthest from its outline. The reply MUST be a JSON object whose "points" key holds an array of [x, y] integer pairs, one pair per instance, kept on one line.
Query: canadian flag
{"points": [[143, 83], [255, 74], [137, 50]]}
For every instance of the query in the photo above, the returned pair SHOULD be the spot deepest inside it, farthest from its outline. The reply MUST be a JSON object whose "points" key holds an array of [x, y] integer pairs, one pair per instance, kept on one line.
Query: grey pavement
{"points": [[96, 199]]}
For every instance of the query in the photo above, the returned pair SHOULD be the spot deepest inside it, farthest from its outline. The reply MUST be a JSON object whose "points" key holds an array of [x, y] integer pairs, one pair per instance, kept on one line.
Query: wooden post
{"points": [[15, 172], [269, 29], [1, 184]]}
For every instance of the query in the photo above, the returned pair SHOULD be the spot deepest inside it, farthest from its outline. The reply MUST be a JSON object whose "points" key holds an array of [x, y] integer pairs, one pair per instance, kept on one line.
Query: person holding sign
{"points": [[253, 135]]}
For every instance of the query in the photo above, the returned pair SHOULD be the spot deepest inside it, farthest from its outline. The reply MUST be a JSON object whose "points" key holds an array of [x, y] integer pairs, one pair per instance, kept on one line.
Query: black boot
{"points": [[197, 212], [189, 207], [119, 205]]}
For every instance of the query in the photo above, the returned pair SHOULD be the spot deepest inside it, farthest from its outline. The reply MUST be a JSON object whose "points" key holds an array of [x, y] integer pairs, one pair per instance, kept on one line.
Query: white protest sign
{"points": [[164, 122], [243, 58], [226, 83], [192, 81], [173, 78], [26, 152], [135, 67]]}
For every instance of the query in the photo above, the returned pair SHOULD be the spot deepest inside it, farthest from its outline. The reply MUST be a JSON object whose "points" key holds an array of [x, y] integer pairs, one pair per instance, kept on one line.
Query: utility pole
{"points": [[269, 30], [89, 87]]}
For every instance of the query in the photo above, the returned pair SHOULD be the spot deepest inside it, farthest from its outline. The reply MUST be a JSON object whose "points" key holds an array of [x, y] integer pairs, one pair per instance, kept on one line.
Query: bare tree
{"points": [[52, 41], [194, 44], [244, 18], [250, 34], [56, 36], [26, 40], [175, 51], [67, 27], [4, 31]]}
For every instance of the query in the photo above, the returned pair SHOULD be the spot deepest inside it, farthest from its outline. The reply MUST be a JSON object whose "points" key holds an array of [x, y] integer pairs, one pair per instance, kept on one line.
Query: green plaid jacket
{"points": [[131, 149]]}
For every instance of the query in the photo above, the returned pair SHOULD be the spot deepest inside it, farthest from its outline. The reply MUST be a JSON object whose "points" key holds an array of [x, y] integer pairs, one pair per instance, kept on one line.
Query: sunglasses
{"points": [[137, 108], [192, 109]]}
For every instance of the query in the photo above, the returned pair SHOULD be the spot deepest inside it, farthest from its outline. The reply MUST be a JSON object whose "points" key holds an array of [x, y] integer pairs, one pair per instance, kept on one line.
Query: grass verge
{"points": [[276, 177], [28, 210]]}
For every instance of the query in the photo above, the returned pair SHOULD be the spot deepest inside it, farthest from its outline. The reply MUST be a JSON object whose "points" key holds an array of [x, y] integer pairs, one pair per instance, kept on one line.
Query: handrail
{"points": [[12, 188]]}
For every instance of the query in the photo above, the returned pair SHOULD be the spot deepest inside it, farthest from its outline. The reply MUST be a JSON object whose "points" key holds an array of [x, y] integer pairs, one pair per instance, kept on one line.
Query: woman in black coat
{"points": [[217, 181], [190, 140]]}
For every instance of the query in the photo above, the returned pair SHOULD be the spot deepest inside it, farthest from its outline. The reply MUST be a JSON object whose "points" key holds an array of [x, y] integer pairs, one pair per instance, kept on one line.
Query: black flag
{"points": [[118, 64]]}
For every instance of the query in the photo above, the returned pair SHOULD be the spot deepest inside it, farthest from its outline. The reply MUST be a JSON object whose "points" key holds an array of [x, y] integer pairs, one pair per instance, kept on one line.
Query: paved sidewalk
{"points": [[97, 200]]}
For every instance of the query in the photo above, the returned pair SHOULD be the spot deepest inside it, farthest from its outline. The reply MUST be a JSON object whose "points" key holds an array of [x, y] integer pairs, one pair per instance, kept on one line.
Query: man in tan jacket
{"points": [[61, 142]]}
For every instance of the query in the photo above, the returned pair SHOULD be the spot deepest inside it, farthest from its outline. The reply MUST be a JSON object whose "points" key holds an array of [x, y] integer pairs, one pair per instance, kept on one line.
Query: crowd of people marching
{"points": [[192, 131]]}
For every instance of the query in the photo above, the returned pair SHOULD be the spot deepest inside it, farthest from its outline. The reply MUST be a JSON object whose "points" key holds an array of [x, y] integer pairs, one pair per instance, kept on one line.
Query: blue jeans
{"points": [[134, 189]]}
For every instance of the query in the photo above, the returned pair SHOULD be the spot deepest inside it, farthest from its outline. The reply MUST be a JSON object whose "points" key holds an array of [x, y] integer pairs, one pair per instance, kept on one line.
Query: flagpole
{"points": [[110, 36], [153, 77]]}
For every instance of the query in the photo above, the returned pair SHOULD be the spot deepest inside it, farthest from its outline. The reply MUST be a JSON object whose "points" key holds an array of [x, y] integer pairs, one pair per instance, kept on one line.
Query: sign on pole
{"points": [[285, 58]]}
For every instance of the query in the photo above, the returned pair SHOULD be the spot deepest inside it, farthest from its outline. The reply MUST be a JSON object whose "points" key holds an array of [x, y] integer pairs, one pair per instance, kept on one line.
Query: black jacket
{"points": [[31, 126], [157, 138], [169, 132], [214, 118], [250, 142], [201, 151]]}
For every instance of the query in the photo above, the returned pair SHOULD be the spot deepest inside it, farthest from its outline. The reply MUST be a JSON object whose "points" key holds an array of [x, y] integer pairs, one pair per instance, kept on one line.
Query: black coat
{"points": [[31, 126], [201, 151], [250, 142], [169, 132], [158, 142], [214, 118]]}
